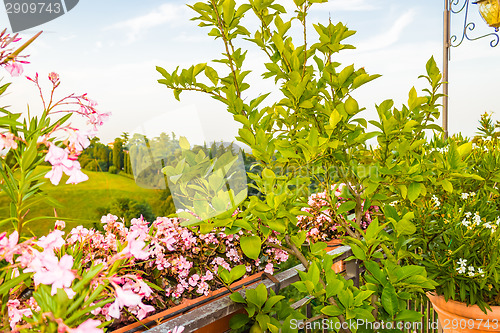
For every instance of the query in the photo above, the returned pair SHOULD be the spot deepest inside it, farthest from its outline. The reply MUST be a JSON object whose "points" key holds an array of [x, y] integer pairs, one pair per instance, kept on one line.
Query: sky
{"points": [[109, 49]]}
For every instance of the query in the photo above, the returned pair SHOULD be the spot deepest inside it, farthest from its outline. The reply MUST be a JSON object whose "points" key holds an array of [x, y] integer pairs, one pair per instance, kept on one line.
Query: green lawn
{"points": [[81, 200]]}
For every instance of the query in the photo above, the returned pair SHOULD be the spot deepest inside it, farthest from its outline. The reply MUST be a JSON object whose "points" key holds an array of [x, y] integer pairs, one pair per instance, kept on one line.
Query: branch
{"points": [[306, 264]]}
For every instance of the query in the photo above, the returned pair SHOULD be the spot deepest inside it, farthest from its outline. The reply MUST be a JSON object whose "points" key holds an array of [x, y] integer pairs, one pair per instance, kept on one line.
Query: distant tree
{"points": [[128, 209], [164, 204], [125, 136], [93, 165], [118, 153]]}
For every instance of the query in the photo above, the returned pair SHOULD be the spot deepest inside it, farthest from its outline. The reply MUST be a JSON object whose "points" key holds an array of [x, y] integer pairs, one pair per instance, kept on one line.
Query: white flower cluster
{"points": [[441, 150], [476, 221], [436, 201], [466, 196], [483, 148], [469, 271]]}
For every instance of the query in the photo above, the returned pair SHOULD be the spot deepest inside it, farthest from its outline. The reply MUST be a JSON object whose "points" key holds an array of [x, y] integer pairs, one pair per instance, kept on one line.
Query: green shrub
{"points": [[113, 170]]}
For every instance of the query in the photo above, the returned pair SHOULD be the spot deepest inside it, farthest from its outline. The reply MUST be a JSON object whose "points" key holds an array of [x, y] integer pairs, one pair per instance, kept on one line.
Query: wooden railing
{"points": [[209, 310]]}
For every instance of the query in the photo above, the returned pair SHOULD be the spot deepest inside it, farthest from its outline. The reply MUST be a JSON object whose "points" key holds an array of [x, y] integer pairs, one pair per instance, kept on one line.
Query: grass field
{"points": [[79, 202]]}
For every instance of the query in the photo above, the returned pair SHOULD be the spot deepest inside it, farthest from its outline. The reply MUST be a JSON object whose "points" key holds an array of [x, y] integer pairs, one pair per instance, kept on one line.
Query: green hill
{"points": [[81, 201]]}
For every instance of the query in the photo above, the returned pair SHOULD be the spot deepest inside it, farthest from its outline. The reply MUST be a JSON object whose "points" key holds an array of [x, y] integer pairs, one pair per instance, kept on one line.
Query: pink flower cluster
{"points": [[7, 141], [162, 253], [322, 223], [45, 259], [188, 262], [64, 157], [11, 63]]}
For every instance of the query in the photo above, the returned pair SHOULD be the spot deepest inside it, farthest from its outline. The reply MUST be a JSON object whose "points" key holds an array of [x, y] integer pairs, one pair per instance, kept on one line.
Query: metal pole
{"points": [[446, 55]]}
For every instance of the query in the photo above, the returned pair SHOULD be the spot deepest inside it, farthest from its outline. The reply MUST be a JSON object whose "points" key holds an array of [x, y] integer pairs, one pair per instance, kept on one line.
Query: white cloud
{"points": [[390, 36], [137, 26]]}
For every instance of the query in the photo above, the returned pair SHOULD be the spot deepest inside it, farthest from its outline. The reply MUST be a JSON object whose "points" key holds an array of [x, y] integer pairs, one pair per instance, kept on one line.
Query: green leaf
{"points": [[404, 191], [247, 136], [346, 206], [335, 117], [364, 314], [271, 302], [87, 277], [358, 252], [413, 191], [212, 75], [10, 122], [250, 245], [237, 272], [7, 285], [465, 149], [409, 316], [447, 186], [318, 247], [405, 227], [184, 143], [237, 298], [268, 174], [306, 105], [29, 155], [390, 299], [332, 311], [375, 270], [238, 321], [299, 239], [257, 296]]}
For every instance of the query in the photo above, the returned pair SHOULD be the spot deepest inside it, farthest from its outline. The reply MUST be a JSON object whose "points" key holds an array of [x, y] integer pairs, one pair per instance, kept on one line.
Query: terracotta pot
{"points": [[457, 317], [339, 266], [220, 325]]}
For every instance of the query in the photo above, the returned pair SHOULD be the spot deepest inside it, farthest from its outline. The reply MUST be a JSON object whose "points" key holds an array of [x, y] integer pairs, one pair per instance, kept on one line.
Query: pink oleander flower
{"points": [[61, 162], [52, 241], [78, 139], [96, 119], [53, 272], [75, 174], [70, 292], [140, 227], [60, 225], [89, 326], [169, 242], [110, 218], [8, 245], [123, 298], [141, 288], [7, 141], [134, 248], [143, 310], [33, 304], [58, 157], [14, 68], [78, 234], [54, 78], [15, 314]]}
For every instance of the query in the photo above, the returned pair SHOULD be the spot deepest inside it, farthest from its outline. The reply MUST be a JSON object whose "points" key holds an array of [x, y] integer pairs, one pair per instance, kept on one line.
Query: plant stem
{"points": [[306, 265]]}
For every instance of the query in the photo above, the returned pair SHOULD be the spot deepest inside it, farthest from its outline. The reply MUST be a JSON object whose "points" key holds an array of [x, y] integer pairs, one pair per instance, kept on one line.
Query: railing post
{"points": [[352, 271]]}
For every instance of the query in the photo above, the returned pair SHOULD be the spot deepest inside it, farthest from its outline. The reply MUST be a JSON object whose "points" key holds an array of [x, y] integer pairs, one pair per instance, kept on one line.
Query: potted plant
{"points": [[459, 239]]}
